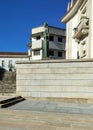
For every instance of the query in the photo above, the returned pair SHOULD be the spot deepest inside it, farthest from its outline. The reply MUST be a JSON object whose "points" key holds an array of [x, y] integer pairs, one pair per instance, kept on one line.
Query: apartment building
{"points": [[8, 59], [79, 25], [47, 42]]}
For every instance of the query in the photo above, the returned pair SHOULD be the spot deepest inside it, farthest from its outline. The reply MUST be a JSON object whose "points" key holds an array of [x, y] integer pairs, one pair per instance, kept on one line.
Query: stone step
{"points": [[7, 95], [11, 101], [8, 82], [7, 89]]}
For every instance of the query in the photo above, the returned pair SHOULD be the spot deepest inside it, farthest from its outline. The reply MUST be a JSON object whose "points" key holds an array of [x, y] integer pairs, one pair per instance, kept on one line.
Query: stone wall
{"points": [[7, 82], [55, 79]]}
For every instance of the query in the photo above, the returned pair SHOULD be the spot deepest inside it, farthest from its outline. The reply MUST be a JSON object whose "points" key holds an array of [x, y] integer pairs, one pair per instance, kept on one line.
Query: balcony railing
{"points": [[82, 30], [56, 46], [37, 44]]}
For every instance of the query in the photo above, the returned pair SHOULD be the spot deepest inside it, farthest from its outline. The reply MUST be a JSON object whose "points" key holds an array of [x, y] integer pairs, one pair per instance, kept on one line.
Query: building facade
{"points": [[47, 42], [8, 59], [79, 25]]}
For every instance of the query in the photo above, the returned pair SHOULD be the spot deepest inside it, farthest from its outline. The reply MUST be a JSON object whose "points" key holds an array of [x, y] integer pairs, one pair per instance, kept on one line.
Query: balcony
{"points": [[56, 46], [37, 44], [82, 30]]}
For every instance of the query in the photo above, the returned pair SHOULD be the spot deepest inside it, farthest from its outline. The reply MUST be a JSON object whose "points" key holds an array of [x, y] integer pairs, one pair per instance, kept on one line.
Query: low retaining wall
{"points": [[55, 78]]}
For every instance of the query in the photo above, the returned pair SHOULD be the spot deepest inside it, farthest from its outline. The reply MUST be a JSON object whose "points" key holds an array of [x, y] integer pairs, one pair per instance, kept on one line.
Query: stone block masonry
{"points": [[55, 79]]}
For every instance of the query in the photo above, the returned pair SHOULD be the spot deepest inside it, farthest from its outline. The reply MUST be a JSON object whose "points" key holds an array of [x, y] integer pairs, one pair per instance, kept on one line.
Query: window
{"points": [[38, 37], [3, 63], [59, 39], [59, 54], [51, 53], [36, 52], [10, 64], [51, 38]]}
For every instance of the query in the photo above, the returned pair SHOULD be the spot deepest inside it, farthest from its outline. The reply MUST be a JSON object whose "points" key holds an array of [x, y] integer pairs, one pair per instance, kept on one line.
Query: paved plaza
{"points": [[51, 106], [47, 115]]}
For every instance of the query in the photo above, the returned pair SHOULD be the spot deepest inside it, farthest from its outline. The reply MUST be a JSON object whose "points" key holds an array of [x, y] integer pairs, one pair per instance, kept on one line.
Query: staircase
{"points": [[7, 82]]}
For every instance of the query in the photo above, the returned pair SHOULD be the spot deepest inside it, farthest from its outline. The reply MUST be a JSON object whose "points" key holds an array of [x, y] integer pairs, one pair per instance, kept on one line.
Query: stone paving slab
{"points": [[59, 107]]}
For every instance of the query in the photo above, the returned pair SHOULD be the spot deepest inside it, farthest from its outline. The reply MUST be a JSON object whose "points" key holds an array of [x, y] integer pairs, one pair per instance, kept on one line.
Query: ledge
{"points": [[54, 61]]}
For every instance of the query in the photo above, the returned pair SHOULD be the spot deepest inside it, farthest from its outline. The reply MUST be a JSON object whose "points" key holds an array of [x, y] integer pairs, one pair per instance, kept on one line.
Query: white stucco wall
{"points": [[75, 22], [6, 61], [69, 40], [72, 20], [38, 30], [37, 57]]}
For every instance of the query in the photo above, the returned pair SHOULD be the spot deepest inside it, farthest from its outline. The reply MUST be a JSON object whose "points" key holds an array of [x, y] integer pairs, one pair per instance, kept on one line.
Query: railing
{"points": [[37, 44]]}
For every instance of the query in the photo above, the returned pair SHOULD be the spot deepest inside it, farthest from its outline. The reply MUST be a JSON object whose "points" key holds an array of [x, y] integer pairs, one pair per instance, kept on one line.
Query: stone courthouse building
{"points": [[79, 21]]}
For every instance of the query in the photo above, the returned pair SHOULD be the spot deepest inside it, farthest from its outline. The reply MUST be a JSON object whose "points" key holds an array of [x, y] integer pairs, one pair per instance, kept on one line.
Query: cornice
{"points": [[72, 11]]}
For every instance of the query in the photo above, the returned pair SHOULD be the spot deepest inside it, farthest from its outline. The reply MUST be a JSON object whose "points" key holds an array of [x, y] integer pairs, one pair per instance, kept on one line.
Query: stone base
{"points": [[67, 100]]}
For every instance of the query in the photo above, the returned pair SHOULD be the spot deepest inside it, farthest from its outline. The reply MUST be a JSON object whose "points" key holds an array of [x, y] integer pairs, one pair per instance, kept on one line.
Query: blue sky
{"points": [[18, 17]]}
